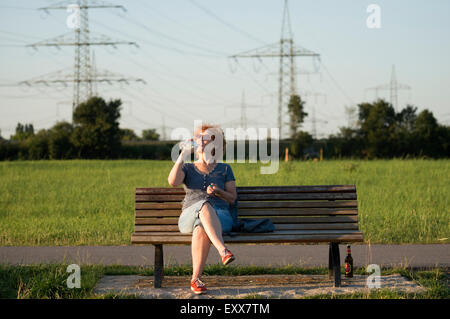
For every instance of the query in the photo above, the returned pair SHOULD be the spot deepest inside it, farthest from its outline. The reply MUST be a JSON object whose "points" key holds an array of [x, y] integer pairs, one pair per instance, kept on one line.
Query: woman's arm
{"points": [[228, 194], [176, 175]]}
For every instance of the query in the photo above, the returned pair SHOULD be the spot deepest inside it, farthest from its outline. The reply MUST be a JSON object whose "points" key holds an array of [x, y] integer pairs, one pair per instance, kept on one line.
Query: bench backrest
{"points": [[291, 208]]}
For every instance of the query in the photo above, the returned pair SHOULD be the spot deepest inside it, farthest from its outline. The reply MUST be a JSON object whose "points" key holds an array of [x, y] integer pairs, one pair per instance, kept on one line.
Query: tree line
{"points": [[380, 132], [94, 134]]}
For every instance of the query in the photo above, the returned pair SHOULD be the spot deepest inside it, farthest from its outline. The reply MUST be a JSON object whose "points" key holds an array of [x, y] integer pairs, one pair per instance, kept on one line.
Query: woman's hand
{"points": [[176, 175], [186, 150], [213, 189], [227, 195]]}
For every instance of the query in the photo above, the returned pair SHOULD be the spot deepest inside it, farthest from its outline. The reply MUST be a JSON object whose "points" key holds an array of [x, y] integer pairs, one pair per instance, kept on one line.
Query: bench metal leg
{"points": [[158, 266], [330, 262], [334, 264]]}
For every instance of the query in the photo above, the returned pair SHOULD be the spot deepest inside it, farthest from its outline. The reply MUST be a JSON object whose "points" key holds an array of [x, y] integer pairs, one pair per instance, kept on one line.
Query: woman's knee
{"points": [[199, 233], [206, 208]]}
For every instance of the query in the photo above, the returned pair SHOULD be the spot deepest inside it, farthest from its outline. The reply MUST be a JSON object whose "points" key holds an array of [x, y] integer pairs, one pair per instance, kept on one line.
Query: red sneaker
{"points": [[229, 257], [198, 287]]}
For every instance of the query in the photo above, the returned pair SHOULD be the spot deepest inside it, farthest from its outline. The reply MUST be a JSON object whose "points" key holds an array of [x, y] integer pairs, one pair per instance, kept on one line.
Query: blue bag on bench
{"points": [[248, 225]]}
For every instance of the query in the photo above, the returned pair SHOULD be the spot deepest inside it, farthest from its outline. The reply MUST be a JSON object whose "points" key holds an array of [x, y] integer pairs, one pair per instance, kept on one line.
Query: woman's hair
{"points": [[213, 130]]}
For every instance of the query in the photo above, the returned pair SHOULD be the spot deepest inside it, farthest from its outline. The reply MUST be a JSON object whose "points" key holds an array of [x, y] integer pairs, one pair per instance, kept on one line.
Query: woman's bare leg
{"points": [[200, 249], [213, 228]]}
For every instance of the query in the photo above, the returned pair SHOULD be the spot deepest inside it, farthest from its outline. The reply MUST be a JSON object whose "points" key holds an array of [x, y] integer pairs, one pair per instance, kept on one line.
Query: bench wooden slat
{"points": [[304, 204], [301, 220], [258, 189], [146, 228], [275, 220], [169, 205], [186, 239], [296, 189], [295, 212], [158, 190], [297, 196], [353, 226], [156, 221], [157, 213], [291, 204], [159, 198], [253, 197], [257, 212], [332, 226], [278, 232]]}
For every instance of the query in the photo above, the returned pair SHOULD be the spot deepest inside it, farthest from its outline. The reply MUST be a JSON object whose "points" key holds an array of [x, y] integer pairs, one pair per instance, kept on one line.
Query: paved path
{"points": [[415, 256]]}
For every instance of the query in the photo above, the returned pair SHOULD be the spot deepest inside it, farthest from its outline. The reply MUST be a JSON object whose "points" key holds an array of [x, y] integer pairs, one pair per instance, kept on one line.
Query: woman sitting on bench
{"points": [[210, 189]]}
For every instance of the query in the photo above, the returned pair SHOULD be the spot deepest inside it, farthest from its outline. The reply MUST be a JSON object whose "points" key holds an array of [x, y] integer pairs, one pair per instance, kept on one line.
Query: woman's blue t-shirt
{"points": [[196, 180]]}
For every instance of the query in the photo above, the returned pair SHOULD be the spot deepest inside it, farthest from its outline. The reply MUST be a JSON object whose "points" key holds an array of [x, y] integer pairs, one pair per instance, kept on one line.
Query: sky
{"points": [[183, 55]]}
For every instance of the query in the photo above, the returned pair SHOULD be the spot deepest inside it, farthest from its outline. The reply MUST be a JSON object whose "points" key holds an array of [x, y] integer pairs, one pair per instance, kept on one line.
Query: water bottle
{"points": [[188, 145]]}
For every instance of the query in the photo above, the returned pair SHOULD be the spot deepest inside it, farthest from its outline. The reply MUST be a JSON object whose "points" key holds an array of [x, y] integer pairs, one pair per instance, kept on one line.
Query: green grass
{"points": [[90, 202], [48, 281]]}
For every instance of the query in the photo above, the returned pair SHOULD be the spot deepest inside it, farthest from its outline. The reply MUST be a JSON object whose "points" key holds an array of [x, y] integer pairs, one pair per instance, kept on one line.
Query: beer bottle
{"points": [[348, 263]]}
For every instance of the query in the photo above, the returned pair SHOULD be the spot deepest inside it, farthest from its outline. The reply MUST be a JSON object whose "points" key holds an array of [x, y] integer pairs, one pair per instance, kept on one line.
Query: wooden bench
{"points": [[301, 214]]}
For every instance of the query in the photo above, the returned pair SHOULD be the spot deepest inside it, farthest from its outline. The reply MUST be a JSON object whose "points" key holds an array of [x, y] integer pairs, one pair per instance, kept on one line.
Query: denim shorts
{"points": [[189, 217]]}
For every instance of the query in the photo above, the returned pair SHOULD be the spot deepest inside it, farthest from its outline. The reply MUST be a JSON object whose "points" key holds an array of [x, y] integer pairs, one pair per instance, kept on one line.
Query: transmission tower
{"points": [[393, 88], [351, 113], [243, 107], [163, 129], [286, 52], [313, 118], [94, 88], [82, 39]]}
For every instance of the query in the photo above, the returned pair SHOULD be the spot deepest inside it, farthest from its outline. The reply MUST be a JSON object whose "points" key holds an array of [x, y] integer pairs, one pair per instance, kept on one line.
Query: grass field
{"points": [[90, 202]]}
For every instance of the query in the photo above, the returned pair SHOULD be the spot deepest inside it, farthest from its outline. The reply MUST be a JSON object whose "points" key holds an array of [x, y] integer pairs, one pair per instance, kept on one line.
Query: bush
{"points": [[60, 143]]}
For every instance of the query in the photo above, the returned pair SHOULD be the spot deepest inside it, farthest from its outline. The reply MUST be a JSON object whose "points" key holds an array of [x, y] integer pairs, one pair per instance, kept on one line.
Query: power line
{"points": [[172, 103], [19, 34], [148, 55], [337, 84], [16, 8], [171, 38], [183, 26], [181, 78], [253, 78], [13, 39], [184, 80], [157, 45], [7, 45], [229, 25], [145, 104]]}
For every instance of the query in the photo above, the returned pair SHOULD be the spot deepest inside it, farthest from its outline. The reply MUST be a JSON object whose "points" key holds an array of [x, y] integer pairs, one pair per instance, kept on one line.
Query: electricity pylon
{"points": [[243, 107], [286, 52], [393, 88], [313, 119], [82, 76]]}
